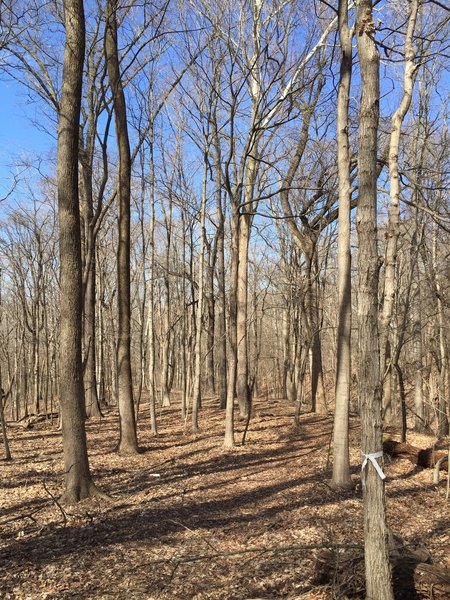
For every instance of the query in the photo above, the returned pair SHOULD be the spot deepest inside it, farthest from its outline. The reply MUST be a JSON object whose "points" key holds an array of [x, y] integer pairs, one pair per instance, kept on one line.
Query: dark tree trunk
{"points": [[90, 379], [78, 481], [128, 437]]}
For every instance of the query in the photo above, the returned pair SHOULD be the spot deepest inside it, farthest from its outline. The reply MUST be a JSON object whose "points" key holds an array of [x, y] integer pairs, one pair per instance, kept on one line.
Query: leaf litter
{"points": [[189, 520]]}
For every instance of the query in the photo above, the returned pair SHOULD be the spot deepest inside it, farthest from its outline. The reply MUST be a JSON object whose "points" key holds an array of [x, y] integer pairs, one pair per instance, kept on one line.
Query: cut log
{"points": [[422, 457]]}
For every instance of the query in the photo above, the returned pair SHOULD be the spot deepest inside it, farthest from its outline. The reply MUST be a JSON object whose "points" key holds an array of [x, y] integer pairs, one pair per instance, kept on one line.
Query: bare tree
{"points": [[78, 481], [128, 436], [378, 572], [392, 233], [341, 462]]}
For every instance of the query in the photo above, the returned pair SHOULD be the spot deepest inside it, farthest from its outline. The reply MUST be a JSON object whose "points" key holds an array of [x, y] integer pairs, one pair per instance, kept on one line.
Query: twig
{"points": [[58, 504], [26, 516], [263, 550], [192, 531]]}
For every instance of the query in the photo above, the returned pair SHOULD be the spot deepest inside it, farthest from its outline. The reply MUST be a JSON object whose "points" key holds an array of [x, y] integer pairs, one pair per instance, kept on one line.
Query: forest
{"points": [[225, 299]]}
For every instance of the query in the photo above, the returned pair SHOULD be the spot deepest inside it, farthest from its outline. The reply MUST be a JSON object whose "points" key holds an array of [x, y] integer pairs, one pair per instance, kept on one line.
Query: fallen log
{"points": [[31, 420], [422, 457], [432, 581], [412, 579]]}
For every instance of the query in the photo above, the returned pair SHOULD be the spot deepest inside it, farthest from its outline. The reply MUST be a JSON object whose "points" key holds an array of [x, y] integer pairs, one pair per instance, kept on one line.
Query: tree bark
{"points": [[6, 447], [241, 317], [90, 379], [220, 304], [196, 391], [341, 462], [128, 438], [393, 228], [150, 296], [78, 481], [232, 335], [377, 568]]}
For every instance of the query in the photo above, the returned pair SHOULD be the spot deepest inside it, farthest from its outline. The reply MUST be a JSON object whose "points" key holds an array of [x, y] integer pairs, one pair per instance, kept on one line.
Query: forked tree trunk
{"points": [[128, 438], [78, 481], [377, 568], [341, 462]]}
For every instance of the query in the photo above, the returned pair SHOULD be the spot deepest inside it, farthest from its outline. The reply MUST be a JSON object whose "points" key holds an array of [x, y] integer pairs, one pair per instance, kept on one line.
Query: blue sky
{"points": [[19, 136]]}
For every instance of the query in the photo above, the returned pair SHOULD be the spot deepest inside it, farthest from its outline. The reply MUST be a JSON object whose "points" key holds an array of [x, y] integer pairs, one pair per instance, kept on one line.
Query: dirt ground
{"points": [[187, 520]]}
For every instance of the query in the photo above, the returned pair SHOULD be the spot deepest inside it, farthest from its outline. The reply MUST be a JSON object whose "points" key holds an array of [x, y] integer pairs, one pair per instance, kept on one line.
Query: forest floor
{"points": [[187, 520]]}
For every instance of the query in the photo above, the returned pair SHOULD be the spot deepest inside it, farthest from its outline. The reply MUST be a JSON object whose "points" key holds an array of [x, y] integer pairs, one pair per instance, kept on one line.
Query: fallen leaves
{"points": [[188, 520]]}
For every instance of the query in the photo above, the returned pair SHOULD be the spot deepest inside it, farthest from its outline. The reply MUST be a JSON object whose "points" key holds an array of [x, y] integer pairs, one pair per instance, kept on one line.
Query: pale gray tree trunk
{"points": [[246, 220], [341, 462], [393, 228]]}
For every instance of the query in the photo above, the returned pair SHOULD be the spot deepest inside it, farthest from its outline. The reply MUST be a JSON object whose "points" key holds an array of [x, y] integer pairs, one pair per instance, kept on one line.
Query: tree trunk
{"points": [[241, 318], [378, 571], [393, 228], [341, 462], [128, 438], [318, 400], [220, 304], [165, 390], [196, 388], [420, 423], [78, 481], [166, 335], [3, 421], [151, 299], [90, 379], [232, 334], [211, 328]]}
